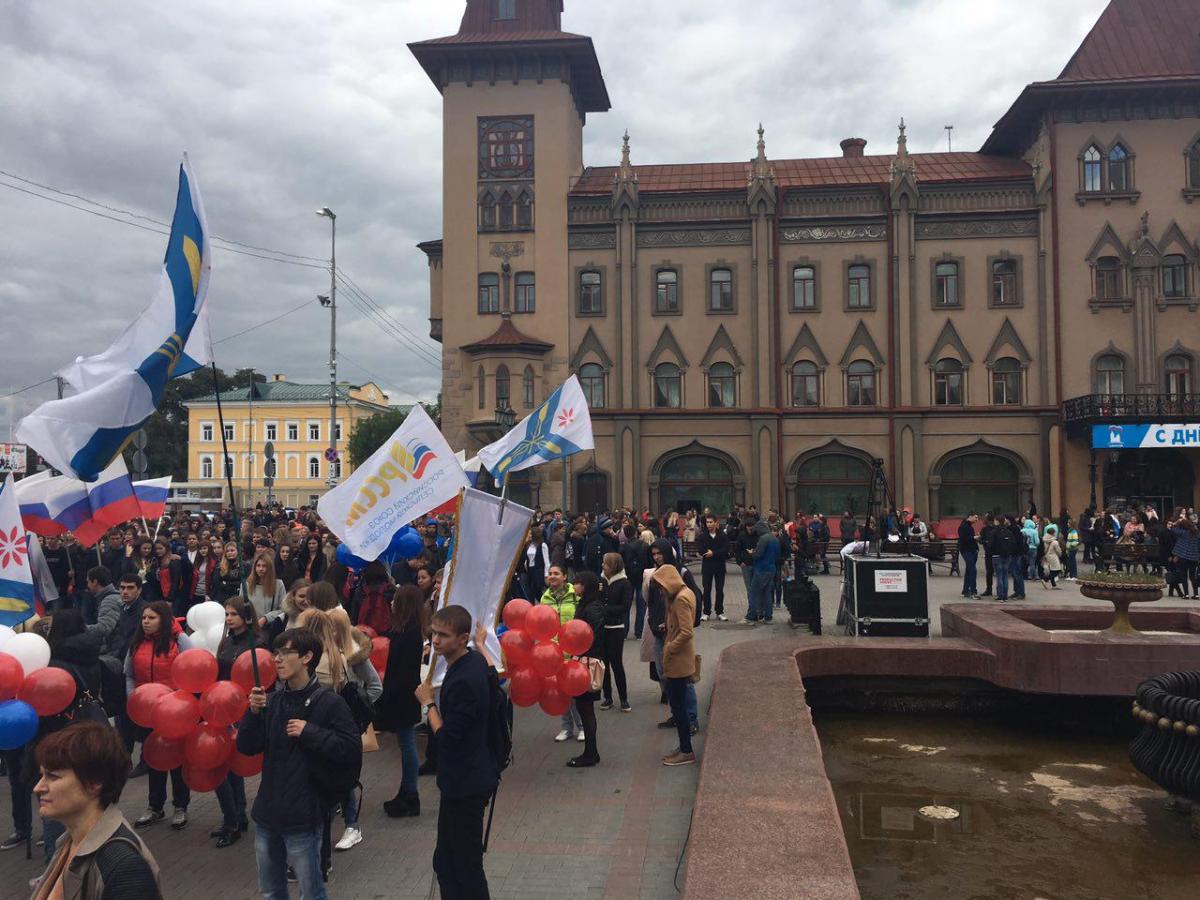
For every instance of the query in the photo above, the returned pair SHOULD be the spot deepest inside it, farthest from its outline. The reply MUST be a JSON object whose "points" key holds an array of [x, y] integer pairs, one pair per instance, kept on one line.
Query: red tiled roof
{"points": [[507, 337], [838, 170], [502, 37], [1139, 39]]}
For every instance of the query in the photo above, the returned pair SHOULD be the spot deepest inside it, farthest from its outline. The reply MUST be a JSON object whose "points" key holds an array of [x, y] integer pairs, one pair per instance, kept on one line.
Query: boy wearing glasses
{"points": [[302, 725]]}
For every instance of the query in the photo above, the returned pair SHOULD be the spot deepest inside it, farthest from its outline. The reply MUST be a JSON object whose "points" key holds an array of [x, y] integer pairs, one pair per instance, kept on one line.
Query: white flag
{"points": [[562, 426], [412, 473]]}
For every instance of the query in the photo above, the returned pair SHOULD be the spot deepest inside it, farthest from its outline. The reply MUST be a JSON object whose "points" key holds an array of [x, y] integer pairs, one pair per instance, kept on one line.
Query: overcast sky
{"points": [[285, 107]]}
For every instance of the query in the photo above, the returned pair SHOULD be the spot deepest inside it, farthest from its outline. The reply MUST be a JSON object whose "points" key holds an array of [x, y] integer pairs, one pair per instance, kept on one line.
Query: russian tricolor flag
{"points": [[152, 497], [53, 505], [113, 502], [16, 576]]}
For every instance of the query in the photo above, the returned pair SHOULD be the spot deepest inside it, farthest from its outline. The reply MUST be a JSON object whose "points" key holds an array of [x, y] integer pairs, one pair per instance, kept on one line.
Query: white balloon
{"points": [[207, 615], [213, 637], [30, 650], [6, 634], [193, 617]]}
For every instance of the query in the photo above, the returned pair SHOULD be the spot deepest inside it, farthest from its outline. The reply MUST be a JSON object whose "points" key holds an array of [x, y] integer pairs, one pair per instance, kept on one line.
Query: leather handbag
{"points": [[595, 669], [370, 741]]}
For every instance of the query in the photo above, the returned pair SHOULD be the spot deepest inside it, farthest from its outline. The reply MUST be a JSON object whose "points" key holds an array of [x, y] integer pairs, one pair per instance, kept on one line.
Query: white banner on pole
{"points": [[486, 545], [413, 472]]}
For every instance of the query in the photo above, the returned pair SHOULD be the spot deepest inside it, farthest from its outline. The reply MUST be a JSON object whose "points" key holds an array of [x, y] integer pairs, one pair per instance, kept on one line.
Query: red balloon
{"points": [[204, 780], [380, 648], [574, 679], [143, 700], [244, 675], [208, 747], [194, 670], [547, 659], [162, 753], [176, 714], [553, 701], [525, 687], [514, 613], [49, 691], [246, 766], [12, 676], [368, 631], [576, 637], [541, 623], [517, 647], [223, 704]]}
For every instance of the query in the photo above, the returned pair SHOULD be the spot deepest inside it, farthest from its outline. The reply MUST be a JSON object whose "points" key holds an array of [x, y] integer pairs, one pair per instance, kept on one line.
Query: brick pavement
{"points": [[615, 831]]}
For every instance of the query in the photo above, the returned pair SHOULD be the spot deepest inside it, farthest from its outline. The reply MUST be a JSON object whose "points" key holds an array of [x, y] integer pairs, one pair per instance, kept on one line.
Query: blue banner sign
{"points": [[1122, 437]]}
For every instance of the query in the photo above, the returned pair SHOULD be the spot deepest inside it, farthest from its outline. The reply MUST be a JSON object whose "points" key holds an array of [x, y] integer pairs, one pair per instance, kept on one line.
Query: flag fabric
{"points": [[471, 468], [16, 576], [45, 591], [120, 388], [562, 426], [53, 505], [413, 472], [152, 497], [479, 580], [113, 502]]}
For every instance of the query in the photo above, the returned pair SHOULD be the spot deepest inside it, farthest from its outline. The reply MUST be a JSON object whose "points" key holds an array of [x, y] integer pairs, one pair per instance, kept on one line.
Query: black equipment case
{"points": [[889, 596]]}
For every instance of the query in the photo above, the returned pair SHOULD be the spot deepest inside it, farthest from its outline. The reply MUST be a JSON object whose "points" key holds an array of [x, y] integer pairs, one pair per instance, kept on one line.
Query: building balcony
{"points": [[1099, 408]]}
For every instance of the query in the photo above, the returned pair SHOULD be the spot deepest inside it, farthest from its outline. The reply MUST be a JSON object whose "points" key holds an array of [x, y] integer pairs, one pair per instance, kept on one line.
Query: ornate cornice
{"points": [[977, 229], [820, 233], [693, 238], [592, 240]]}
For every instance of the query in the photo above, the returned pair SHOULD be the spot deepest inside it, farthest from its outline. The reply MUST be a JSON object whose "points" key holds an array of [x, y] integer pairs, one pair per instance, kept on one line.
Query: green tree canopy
{"points": [[370, 433]]}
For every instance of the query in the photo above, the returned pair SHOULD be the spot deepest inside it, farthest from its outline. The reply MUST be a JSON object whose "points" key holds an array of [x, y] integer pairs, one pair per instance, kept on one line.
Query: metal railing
{"points": [[1114, 407]]}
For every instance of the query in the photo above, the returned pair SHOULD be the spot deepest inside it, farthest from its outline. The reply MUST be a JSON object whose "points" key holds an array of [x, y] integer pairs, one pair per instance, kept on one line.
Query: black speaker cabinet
{"points": [[889, 596]]}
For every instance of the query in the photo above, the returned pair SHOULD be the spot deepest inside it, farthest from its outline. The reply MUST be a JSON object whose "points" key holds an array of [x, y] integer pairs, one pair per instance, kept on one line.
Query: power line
{"points": [[363, 293], [389, 322], [387, 329], [344, 358], [28, 387], [264, 324]]}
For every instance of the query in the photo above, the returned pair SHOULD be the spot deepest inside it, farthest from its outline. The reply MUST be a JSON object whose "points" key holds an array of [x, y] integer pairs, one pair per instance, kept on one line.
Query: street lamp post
{"points": [[331, 455]]}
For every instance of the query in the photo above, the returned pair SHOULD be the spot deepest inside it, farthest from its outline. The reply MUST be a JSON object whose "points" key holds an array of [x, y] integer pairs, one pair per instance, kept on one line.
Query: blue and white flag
{"points": [[562, 426], [16, 576], [121, 388]]}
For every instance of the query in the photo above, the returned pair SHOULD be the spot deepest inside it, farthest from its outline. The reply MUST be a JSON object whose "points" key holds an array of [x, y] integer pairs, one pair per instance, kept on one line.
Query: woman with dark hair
{"points": [[142, 559], [165, 581], [83, 771], [590, 609], [204, 573], [398, 708], [618, 600], [286, 568], [151, 654], [311, 559]]}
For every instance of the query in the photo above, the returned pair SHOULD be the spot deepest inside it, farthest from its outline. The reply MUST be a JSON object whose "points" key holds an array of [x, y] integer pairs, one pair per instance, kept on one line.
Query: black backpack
{"points": [[332, 783], [500, 716]]}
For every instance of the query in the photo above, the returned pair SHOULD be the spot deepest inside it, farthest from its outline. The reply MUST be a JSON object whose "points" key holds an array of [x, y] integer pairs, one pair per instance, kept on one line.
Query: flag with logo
{"points": [[16, 576], [121, 388], [413, 472], [562, 426]]}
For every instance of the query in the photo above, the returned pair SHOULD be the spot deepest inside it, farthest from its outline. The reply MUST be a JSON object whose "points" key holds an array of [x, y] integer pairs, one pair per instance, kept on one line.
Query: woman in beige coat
{"points": [[679, 658]]}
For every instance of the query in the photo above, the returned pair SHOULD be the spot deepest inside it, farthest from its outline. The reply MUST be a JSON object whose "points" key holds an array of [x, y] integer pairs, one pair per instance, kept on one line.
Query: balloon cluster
{"points": [[537, 671], [192, 726], [29, 688], [405, 544], [207, 621]]}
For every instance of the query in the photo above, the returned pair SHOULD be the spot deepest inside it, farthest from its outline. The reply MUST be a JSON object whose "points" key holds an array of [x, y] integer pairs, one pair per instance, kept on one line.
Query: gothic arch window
{"points": [[502, 387], [591, 379], [1110, 278], [506, 211], [1179, 375], [525, 210], [591, 491], [1175, 275], [806, 384], [1193, 166], [525, 300], [978, 483], [860, 384], [1004, 283], [696, 481], [722, 386], [527, 388], [833, 483], [1119, 179], [1110, 374], [1092, 169], [481, 388], [1006, 382], [489, 293], [668, 386], [487, 212], [948, 383]]}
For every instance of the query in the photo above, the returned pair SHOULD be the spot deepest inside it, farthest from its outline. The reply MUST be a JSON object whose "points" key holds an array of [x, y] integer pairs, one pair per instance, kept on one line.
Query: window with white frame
{"points": [[293, 431], [206, 467], [314, 431], [338, 431], [314, 467], [272, 431], [229, 471], [206, 431], [229, 431]]}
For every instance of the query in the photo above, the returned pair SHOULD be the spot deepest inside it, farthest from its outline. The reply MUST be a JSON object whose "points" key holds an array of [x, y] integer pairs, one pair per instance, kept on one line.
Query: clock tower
{"points": [[516, 92]]}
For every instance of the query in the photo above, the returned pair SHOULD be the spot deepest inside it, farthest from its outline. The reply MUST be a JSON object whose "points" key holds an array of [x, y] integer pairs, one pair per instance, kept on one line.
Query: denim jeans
{"points": [[690, 702], [181, 795], [52, 830], [410, 762], [1031, 569], [677, 697], [970, 582], [761, 587], [1073, 563], [1016, 568], [21, 792], [274, 851], [350, 808], [747, 577], [571, 722], [231, 797], [1000, 571]]}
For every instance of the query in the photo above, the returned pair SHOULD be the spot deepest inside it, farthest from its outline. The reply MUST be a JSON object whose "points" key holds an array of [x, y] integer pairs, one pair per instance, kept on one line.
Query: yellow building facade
{"points": [[294, 417]]}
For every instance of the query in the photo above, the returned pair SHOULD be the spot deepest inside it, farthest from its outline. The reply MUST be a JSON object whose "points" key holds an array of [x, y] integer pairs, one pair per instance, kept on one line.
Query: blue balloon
{"points": [[410, 545], [348, 559], [18, 724]]}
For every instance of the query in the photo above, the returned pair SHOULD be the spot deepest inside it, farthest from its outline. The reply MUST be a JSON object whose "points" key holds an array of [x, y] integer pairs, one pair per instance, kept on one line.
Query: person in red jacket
{"points": [[375, 611], [151, 654]]}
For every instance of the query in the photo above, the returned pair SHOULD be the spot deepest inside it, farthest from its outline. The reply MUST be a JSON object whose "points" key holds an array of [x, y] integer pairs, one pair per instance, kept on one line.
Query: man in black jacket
{"points": [[713, 546], [968, 550], [467, 775], [986, 535], [302, 728], [635, 553]]}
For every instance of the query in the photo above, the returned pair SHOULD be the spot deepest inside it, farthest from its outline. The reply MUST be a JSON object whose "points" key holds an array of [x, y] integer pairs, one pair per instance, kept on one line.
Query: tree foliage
{"points": [[369, 434]]}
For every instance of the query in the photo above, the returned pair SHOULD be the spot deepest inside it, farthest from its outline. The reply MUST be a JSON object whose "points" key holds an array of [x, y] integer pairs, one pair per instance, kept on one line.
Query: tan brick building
{"points": [[760, 331]]}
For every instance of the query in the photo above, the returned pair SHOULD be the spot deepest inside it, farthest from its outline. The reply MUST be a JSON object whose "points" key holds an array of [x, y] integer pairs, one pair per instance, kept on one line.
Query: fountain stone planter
{"points": [[1121, 595]]}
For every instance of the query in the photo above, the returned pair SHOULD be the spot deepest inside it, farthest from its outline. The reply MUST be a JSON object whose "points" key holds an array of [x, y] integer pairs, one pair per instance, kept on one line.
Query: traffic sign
{"points": [[140, 464], [269, 450], [139, 439]]}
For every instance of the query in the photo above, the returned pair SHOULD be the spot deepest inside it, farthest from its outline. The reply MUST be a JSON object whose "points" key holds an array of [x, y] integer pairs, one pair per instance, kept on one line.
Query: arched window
{"points": [[858, 287], [1118, 169], [1004, 282], [487, 213], [1110, 279], [946, 284], [314, 467], [1193, 166], [721, 290], [833, 483], [1175, 276], [526, 298], [1006, 382], [1179, 376], [1110, 374], [695, 481], [506, 211], [206, 467], [722, 386], [978, 483], [502, 394], [860, 384], [591, 492], [527, 387], [666, 291], [668, 387], [948, 383], [590, 299], [806, 384], [525, 210], [229, 470], [804, 288], [489, 293], [591, 379], [1092, 169], [481, 387]]}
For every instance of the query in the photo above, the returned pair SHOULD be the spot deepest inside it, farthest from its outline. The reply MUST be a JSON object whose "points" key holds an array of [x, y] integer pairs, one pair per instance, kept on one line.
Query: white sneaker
{"points": [[579, 737], [561, 736], [352, 838], [703, 617], [722, 617]]}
